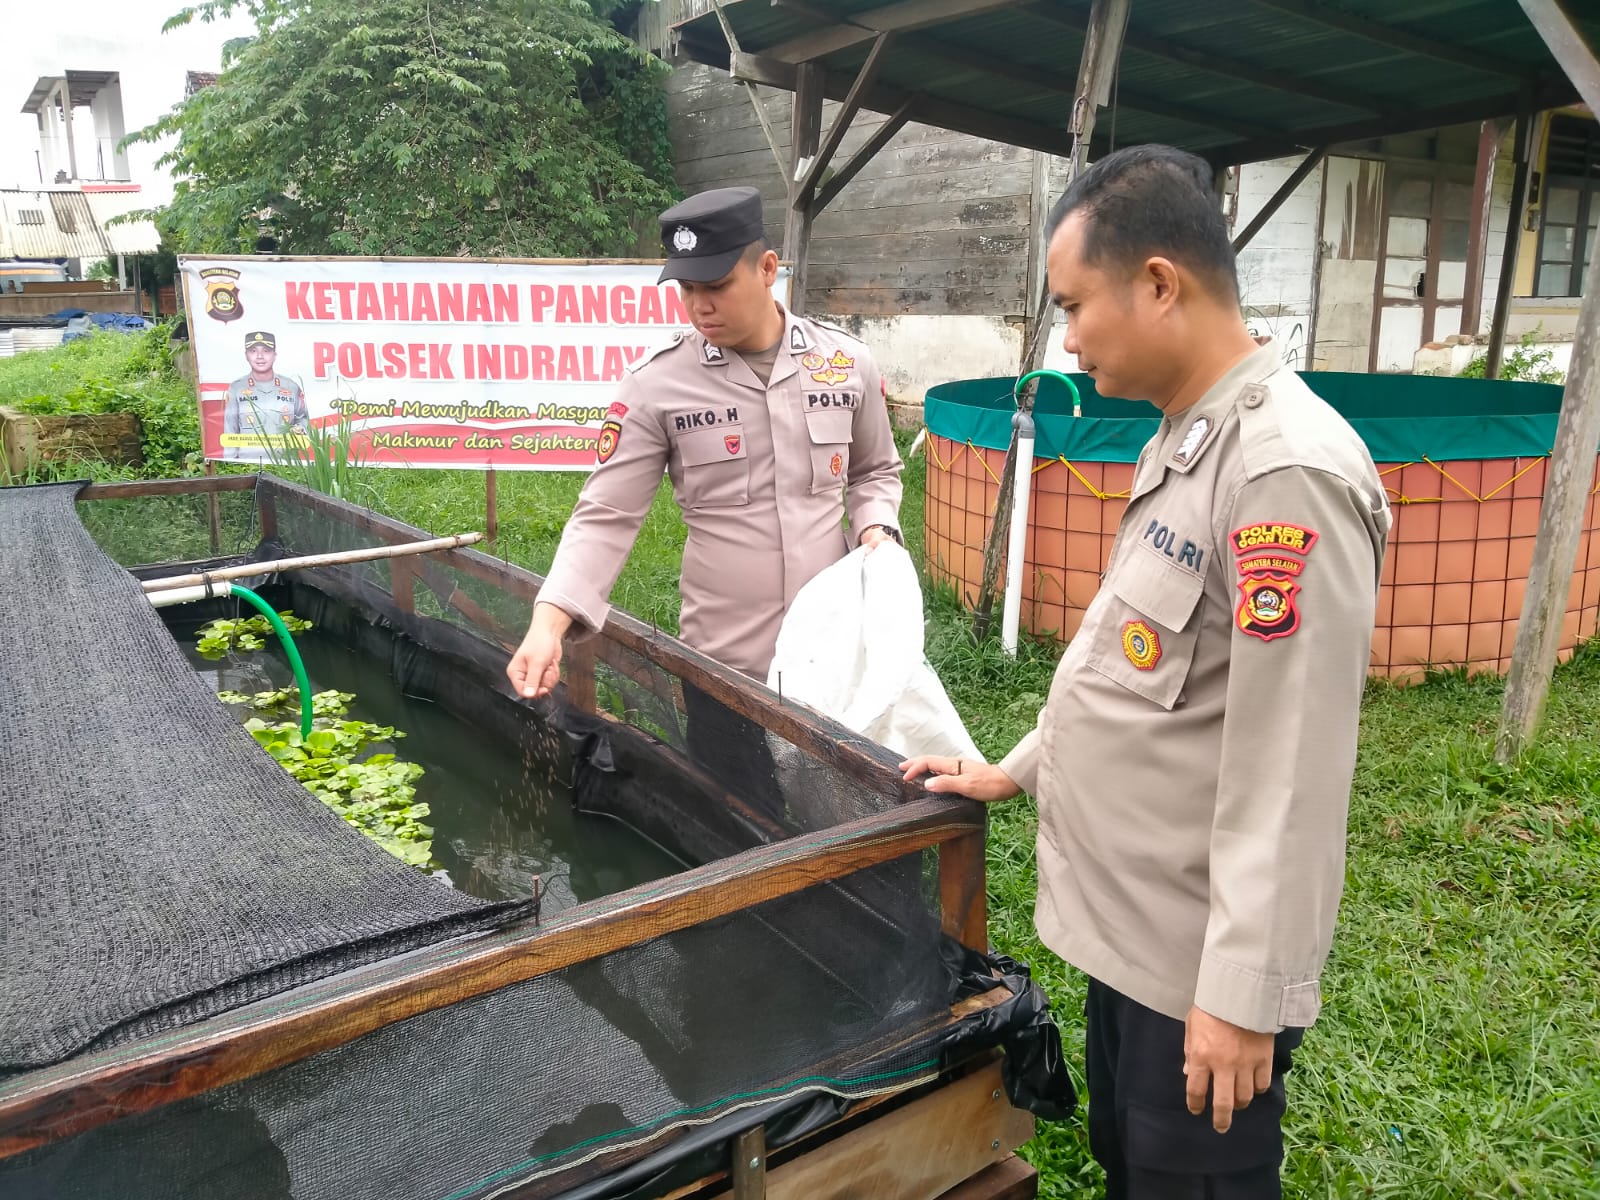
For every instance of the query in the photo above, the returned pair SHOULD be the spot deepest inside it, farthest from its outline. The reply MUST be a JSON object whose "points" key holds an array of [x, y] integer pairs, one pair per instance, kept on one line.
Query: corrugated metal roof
{"points": [[66, 223], [124, 237], [1236, 81]]}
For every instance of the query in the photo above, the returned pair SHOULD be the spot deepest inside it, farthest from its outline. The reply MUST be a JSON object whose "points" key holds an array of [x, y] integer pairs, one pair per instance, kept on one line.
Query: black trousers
{"points": [[1140, 1128]]}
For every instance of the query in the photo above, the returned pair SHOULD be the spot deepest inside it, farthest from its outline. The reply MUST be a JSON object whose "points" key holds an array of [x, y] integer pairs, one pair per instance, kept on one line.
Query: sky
{"points": [[102, 35]]}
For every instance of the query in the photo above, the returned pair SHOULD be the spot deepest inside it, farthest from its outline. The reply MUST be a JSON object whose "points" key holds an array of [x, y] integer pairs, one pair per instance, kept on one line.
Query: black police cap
{"points": [[260, 338], [705, 235]]}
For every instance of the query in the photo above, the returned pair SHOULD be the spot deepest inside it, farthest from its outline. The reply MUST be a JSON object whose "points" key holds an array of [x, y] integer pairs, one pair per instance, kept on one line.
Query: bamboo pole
{"points": [[334, 559], [1102, 50]]}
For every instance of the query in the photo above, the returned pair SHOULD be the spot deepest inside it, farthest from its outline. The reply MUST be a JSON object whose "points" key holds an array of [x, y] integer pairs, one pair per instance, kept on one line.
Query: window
{"points": [[1570, 215]]}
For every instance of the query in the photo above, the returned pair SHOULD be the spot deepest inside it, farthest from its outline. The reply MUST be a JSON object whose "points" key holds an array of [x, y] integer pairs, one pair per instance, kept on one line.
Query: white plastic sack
{"points": [[851, 647]]}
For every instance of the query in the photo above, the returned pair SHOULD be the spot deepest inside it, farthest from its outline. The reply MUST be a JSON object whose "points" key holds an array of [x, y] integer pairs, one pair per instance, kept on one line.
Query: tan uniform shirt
{"points": [[764, 475], [1194, 758]]}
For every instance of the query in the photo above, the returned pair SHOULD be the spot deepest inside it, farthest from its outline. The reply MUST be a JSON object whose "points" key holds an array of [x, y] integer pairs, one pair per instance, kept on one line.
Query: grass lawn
{"points": [[1458, 1054]]}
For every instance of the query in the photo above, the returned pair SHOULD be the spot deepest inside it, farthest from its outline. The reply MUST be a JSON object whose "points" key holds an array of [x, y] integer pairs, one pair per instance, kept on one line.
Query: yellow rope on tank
{"points": [[1400, 497], [956, 457], [1079, 475]]}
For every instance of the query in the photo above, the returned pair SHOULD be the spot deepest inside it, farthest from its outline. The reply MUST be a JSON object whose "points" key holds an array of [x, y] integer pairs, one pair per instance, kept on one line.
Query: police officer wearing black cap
{"points": [[773, 428], [263, 402]]}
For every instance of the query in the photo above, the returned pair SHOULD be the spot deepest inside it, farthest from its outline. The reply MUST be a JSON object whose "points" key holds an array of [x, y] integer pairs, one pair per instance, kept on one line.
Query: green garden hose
{"points": [[287, 638], [1016, 392]]}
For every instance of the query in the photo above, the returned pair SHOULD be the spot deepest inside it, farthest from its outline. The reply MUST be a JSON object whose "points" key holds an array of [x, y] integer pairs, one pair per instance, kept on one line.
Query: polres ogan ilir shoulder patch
{"points": [[1271, 555], [610, 432]]}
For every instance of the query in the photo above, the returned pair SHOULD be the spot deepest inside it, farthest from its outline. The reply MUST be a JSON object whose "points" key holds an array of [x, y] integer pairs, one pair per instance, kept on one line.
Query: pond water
{"points": [[499, 823]]}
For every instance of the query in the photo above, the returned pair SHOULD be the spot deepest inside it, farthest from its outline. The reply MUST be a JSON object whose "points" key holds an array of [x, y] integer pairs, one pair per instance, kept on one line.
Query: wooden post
{"points": [[805, 140], [403, 584], [1478, 226], [1102, 47], [1508, 259], [491, 505], [1566, 493], [267, 515], [1275, 202], [1567, 47], [1572, 460], [963, 886], [213, 513], [581, 665], [750, 88], [750, 1165], [805, 188]]}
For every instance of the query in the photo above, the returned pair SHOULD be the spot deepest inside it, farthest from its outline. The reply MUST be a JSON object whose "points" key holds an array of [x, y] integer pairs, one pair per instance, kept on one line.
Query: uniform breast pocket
{"points": [[716, 468], [830, 431], [1148, 640]]}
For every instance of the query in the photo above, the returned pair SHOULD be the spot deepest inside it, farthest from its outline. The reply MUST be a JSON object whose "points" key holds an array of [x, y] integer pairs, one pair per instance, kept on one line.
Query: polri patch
{"points": [[1268, 609], [610, 432], [1141, 644]]}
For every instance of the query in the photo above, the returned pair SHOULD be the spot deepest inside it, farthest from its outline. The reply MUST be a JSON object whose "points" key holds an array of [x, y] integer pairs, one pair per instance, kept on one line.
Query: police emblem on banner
{"points": [[1141, 645], [223, 302], [1268, 609], [610, 432]]}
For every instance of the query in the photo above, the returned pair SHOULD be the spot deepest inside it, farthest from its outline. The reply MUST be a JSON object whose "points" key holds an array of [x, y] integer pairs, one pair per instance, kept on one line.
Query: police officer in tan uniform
{"points": [[263, 402], [773, 429], [1193, 761]]}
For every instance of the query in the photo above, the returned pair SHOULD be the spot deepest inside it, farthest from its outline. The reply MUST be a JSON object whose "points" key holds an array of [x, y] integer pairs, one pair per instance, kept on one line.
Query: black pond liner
{"points": [[614, 1076]]}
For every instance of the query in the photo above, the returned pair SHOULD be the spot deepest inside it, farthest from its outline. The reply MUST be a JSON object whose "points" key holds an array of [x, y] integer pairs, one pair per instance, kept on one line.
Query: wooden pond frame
{"points": [[53, 1103]]}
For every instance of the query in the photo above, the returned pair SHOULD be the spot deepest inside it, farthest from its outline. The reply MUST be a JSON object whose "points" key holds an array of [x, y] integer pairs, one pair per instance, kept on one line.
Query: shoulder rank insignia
{"points": [[797, 338], [710, 353], [1193, 441]]}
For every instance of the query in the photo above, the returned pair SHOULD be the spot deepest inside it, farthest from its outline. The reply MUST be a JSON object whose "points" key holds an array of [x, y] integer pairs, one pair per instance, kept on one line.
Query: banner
{"points": [[423, 362]]}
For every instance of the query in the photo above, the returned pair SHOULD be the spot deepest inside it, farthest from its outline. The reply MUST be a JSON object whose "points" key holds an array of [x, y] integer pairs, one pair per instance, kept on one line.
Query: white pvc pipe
{"points": [[1017, 543], [183, 595]]}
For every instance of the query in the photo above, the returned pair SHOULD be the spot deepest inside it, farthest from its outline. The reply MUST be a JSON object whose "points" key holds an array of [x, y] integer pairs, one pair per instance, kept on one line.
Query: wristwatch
{"points": [[889, 529]]}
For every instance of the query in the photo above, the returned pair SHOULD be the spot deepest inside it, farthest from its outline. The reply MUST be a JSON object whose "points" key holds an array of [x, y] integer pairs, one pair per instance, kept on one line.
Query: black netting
{"points": [[614, 1069], [548, 1077], [161, 867]]}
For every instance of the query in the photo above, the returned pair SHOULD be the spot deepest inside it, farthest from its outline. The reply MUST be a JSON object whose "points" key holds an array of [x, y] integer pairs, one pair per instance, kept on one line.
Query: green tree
{"points": [[502, 128]]}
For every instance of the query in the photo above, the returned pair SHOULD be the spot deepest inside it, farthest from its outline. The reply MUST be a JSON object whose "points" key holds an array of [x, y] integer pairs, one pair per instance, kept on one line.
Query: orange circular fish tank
{"points": [[1463, 461]]}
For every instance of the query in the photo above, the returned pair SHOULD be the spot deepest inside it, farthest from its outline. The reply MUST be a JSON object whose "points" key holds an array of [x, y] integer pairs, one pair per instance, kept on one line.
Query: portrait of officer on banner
{"points": [[261, 404]]}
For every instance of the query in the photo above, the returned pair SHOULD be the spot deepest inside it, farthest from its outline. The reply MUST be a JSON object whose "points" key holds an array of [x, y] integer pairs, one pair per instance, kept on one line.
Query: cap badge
{"points": [[684, 239]]}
